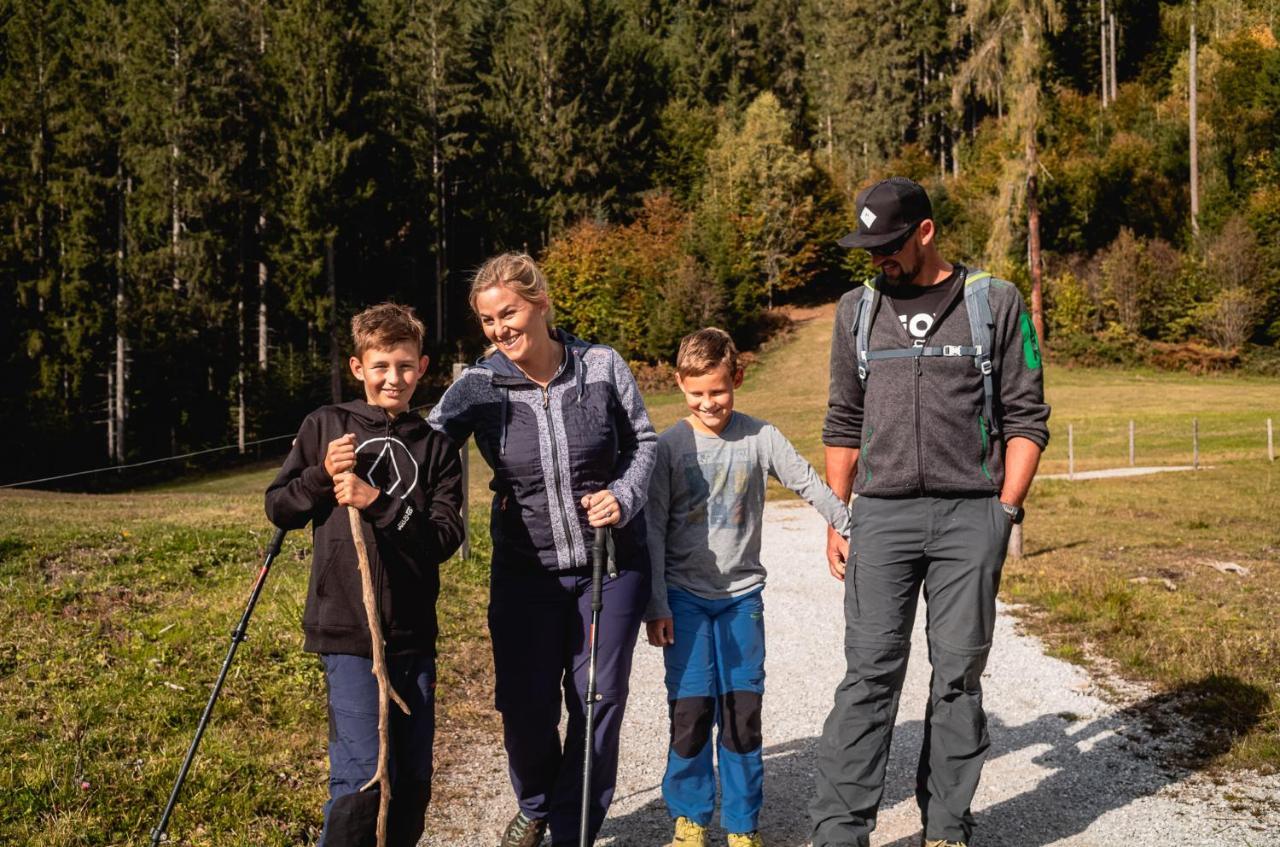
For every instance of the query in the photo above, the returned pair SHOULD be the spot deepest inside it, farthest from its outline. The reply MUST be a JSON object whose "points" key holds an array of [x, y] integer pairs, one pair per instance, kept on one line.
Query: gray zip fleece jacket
{"points": [[920, 425], [587, 430]]}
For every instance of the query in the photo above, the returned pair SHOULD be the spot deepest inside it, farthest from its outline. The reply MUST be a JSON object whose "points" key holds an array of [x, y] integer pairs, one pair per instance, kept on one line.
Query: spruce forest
{"points": [[195, 195]]}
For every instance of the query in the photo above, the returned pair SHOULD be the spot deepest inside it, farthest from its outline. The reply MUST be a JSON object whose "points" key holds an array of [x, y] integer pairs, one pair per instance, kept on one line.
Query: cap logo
{"points": [[867, 217]]}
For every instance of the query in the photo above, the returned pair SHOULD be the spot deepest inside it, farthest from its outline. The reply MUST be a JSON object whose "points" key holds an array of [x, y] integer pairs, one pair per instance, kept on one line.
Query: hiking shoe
{"points": [[523, 832], [942, 842], [745, 839], [689, 834]]}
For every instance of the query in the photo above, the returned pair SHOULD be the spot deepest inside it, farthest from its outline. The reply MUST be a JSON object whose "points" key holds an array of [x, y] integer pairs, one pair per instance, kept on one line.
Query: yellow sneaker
{"points": [[689, 834], [745, 839]]}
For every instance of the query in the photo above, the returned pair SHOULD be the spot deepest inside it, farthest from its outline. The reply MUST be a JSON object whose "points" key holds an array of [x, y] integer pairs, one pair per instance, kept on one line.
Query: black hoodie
{"points": [[412, 526]]}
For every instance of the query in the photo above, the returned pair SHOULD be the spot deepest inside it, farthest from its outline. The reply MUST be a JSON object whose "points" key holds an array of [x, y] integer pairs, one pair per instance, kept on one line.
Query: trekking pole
{"points": [[238, 635], [600, 559]]}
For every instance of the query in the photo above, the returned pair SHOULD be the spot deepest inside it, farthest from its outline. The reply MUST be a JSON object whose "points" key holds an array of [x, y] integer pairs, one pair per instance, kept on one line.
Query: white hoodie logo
{"points": [[391, 463]]}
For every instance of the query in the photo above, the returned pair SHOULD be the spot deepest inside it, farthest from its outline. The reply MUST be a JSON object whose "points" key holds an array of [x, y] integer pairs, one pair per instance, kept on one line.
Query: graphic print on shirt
{"points": [[917, 325], [386, 464], [715, 490]]}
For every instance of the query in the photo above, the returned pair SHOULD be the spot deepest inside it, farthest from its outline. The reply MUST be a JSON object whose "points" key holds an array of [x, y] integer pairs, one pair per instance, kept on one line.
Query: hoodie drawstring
{"points": [[502, 437]]}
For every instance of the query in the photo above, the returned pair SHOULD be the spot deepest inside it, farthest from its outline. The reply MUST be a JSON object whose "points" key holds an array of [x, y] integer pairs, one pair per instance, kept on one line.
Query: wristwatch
{"points": [[1015, 513]]}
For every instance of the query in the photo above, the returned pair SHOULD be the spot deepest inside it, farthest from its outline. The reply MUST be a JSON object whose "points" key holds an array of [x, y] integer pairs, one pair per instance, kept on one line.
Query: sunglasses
{"points": [[893, 246]]}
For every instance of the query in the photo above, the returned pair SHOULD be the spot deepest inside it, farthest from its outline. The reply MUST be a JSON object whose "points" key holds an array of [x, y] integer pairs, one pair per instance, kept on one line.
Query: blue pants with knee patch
{"points": [[715, 678], [350, 816]]}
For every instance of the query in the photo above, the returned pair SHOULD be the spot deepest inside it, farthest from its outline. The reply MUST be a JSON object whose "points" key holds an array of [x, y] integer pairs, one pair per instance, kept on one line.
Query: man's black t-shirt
{"points": [[917, 306]]}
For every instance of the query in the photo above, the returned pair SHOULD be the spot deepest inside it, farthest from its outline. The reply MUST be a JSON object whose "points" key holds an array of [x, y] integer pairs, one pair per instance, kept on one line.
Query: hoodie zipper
{"points": [[555, 466]]}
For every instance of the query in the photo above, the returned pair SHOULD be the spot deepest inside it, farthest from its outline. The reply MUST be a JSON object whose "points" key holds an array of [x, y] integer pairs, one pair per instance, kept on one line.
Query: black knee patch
{"points": [[691, 719], [740, 721], [353, 820]]}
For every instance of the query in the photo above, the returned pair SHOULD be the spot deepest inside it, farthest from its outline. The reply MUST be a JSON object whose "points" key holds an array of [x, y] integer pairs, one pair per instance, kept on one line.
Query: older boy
{"points": [[706, 505], [406, 479]]}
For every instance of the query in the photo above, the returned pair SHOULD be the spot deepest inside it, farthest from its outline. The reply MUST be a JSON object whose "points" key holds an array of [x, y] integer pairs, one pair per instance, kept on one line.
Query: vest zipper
{"points": [[555, 466]]}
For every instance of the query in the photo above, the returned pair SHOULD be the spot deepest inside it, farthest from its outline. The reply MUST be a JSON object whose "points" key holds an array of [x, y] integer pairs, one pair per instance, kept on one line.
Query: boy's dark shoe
{"points": [[523, 832]]}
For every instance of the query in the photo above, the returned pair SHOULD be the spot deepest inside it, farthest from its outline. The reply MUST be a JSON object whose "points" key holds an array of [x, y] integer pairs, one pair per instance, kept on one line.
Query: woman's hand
{"points": [[602, 508], [661, 632]]}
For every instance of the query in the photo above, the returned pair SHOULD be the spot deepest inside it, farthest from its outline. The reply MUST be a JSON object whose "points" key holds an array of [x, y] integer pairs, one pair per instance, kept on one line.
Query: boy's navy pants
{"points": [[954, 548], [351, 815], [715, 677], [539, 622]]}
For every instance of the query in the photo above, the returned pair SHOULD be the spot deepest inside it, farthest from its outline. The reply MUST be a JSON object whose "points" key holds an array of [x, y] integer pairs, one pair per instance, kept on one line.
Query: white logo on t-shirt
{"points": [[918, 324]]}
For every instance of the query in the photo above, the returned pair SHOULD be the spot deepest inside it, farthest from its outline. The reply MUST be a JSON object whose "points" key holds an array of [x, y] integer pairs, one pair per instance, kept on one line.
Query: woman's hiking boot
{"points": [[523, 832], [689, 834], [745, 839]]}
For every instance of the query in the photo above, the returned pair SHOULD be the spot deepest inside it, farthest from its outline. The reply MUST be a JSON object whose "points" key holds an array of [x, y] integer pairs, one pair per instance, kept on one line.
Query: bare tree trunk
{"points": [[335, 350], [1033, 239], [1113, 58], [120, 407], [111, 412], [263, 336], [240, 406], [1191, 104], [831, 146], [1102, 52], [176, 225]]}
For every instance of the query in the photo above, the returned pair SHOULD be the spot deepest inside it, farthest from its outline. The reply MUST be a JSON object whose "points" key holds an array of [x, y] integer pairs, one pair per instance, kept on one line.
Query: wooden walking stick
{"points": [[382, 776]]}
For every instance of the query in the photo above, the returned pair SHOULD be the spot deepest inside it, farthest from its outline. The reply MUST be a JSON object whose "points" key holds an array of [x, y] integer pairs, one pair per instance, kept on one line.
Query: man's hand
{"points": [[351, 490], [837, 553], [661, 632], [341, 455], [602, 508]]}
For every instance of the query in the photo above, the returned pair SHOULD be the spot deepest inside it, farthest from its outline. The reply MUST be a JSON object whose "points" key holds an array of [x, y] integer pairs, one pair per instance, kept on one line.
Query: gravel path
{"points": [[1066, 768]]}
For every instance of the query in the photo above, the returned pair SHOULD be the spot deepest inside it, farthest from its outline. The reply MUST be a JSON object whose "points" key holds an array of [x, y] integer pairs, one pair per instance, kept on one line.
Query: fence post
{"points": [[458, 368], [1130, 442], [1271, 443], [1071, 451], [1195, 444]]}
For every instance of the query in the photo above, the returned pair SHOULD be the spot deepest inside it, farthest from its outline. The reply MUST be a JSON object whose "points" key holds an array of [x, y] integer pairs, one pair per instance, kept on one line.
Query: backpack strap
{"points": [[862, 325], [977, 302]]}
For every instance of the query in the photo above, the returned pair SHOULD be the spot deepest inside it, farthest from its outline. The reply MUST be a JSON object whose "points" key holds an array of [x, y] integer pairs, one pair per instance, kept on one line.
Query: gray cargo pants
{"points": [[955, 548]]}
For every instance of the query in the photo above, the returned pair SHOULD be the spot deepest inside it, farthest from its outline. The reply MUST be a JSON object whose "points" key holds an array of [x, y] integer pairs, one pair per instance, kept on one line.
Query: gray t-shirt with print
{"points": [[706, 507]]}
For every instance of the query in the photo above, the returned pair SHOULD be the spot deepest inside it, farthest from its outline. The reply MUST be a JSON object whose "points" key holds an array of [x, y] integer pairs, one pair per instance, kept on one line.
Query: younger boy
{"points": [[706, 505], [406, 480]]}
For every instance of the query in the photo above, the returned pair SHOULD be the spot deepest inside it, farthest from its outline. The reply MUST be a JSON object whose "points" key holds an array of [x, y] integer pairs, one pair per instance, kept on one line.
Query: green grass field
{"points": [[118, 608], [118, 611]]}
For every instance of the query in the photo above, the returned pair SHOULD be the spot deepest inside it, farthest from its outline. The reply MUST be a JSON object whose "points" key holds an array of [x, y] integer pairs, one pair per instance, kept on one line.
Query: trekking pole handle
{"points": [[598, 558]]}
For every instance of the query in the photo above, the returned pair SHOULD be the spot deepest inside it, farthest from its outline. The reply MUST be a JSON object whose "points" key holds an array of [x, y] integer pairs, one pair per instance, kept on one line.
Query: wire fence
{"points": [[1086, 444], [162, 461]]}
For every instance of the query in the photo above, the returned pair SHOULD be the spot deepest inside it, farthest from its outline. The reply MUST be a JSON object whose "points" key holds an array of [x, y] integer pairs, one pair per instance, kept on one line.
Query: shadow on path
{"points": [[1085, 769]]}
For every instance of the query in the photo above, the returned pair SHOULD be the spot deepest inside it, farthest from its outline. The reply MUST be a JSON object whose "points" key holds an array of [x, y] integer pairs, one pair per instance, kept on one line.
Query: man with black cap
{"points": [[936, 419]]}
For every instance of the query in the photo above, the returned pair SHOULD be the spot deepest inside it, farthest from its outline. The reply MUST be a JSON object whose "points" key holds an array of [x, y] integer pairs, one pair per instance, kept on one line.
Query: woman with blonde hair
{"points": [[562, 424]]}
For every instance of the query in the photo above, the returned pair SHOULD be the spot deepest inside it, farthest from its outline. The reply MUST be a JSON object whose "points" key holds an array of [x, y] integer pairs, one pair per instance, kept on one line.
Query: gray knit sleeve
{"points": [[787, 466]]}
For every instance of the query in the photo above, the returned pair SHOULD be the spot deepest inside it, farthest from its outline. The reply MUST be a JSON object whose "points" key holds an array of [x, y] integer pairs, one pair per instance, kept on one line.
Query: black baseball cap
{"points": [[886, 211]]}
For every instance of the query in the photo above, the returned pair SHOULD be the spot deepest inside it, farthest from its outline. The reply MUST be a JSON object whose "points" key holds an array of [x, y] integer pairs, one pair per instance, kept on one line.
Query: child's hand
{"points": [[661, 632], [837, 553], [602, 508], [351, 490], [341, 455]]}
